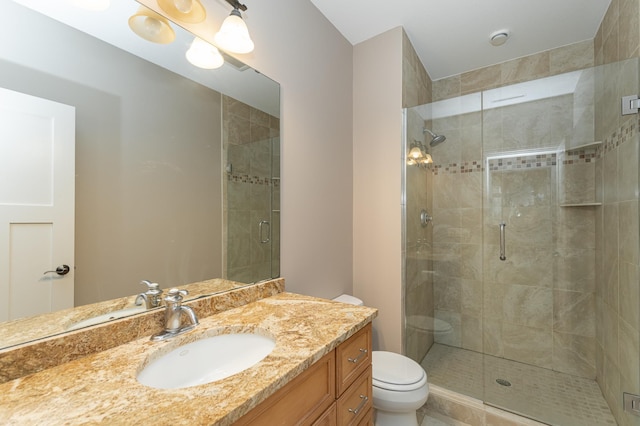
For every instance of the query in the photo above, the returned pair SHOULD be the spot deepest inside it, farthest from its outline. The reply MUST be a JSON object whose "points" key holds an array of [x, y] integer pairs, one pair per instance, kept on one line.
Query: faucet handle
{"points": [[175, 295], [152, 288]]}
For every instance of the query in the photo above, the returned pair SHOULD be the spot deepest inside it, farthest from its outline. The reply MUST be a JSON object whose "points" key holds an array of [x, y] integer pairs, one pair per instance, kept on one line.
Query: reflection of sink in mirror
{"points": [[206, 360], [109, 316]]}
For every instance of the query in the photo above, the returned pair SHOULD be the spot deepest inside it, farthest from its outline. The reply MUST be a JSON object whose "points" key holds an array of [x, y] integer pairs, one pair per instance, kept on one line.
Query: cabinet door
{"points": [[300, 402], [328, 418]]}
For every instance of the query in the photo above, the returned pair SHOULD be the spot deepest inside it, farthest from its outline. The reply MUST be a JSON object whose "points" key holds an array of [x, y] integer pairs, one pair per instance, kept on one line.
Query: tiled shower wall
{"points": [[251, 191]]}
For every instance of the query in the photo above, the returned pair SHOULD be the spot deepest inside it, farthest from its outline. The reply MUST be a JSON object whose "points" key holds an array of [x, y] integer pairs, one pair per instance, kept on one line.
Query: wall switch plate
{"points": [[631, 403]]}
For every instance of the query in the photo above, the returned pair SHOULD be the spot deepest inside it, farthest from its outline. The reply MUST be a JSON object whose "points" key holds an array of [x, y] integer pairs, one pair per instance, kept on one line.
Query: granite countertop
{"points": [[102, 388]]}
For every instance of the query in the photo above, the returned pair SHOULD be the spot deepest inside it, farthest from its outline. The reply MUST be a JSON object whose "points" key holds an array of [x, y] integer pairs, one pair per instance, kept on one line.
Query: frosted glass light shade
{"points": [[204, 55], [190, 11], [151, 26], [234, 35]]}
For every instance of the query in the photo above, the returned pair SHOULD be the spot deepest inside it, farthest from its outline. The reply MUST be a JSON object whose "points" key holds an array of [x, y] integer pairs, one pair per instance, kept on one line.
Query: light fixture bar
{"points": [[237, 5]]}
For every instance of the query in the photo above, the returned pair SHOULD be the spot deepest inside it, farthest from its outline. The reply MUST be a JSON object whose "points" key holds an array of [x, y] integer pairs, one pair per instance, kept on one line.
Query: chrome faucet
{"points": [[152, 297], [173, 316]]}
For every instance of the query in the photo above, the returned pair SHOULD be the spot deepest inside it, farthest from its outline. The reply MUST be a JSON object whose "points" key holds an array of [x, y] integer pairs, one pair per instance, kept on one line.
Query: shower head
{"points": [[435, 139]]}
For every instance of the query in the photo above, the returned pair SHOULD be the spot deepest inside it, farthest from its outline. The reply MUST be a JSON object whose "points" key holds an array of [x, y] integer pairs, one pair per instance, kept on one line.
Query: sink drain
{"points": [[503, 382]]}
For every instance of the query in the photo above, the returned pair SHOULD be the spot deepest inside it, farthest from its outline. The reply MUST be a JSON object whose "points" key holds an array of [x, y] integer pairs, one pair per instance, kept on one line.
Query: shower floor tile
{"points": [[535, 392]]}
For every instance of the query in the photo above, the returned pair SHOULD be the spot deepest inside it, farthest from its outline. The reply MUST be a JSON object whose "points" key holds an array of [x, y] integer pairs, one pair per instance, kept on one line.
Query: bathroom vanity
{"points": [[319, 372]]}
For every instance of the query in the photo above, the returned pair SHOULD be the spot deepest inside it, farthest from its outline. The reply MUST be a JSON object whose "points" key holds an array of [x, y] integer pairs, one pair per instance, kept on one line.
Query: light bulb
{"points": [[184, 6], [234, 35], [415, 153], [152, 26]]}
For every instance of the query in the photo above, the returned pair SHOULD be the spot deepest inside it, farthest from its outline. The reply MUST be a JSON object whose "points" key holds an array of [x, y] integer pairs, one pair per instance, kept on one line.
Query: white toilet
{"points": [[399, 384]]}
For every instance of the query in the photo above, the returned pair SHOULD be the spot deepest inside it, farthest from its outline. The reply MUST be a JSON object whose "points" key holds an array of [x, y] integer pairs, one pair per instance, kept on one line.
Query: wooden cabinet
{"points": [[353, 378], [335, 391], [301, 401]]}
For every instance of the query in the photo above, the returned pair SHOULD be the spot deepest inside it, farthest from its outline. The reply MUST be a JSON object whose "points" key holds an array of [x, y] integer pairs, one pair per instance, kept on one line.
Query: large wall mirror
{"points": [[176, 168]]}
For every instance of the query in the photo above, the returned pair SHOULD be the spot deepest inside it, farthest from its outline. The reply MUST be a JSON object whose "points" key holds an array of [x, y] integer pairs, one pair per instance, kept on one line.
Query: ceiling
{"points": [[452, 36]]}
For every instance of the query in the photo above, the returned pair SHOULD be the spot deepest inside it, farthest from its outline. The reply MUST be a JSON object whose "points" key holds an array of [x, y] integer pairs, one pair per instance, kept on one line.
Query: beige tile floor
{"points": [[544, 395]]}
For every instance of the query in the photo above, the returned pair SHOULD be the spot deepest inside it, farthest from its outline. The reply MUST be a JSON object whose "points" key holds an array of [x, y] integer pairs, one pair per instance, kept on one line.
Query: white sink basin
{"points": [[109, 316], [206, 360]]}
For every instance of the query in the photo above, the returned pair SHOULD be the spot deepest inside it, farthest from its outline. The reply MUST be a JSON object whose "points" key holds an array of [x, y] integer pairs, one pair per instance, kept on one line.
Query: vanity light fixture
{"points": [[189, 11], [234, 35], [204, 55], [418, 155], [92, 5], [151, 26]]}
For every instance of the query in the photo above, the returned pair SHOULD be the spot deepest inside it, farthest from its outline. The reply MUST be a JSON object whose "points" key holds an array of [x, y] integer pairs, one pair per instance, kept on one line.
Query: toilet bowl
{"points": [[399, 384], [434, 326]]}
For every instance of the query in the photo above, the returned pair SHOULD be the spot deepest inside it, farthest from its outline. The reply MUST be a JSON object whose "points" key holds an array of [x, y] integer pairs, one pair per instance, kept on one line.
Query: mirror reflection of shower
{"points": [[435, 138]]}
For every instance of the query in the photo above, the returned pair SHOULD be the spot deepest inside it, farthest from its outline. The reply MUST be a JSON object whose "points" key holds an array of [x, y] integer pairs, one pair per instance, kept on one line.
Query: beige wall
{"points": [[299, 48], [377, 266]]}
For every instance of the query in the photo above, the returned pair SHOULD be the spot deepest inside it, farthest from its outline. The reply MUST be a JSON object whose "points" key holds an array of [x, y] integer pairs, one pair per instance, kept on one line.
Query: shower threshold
{"points": [[534, 392]]}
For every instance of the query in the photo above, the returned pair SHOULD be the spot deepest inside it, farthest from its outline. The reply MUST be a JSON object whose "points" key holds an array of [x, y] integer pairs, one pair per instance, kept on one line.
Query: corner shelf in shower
{"points": [[590, 145]]}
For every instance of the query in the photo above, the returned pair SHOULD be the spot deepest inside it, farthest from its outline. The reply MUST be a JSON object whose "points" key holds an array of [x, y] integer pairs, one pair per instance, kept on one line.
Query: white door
{"points": [[37, 193]]}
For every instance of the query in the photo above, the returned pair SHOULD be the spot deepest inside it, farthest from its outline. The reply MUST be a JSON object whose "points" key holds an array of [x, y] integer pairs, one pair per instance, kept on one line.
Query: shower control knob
{"points": [[425, 218]]}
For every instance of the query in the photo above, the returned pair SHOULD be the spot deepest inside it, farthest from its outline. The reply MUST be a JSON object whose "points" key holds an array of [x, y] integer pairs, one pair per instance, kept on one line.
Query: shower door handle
{"points": [[261, 226], [502, 251]]}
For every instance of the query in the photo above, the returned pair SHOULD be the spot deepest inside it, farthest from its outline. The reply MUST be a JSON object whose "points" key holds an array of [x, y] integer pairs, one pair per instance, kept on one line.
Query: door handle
{"points": [[502, 242], [263, 239], [60, 270]]}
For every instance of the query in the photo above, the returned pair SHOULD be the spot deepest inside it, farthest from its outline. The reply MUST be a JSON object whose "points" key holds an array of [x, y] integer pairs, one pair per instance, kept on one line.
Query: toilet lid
{"points": [[396, 372]]}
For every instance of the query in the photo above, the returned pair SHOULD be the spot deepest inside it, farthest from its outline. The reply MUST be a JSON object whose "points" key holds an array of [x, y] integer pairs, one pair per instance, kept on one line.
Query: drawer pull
{"points": [[364, 399], [363, 352]]}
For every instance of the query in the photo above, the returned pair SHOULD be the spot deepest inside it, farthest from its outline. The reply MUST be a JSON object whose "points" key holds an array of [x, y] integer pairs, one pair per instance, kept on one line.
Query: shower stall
{"points": [[521, 245]]}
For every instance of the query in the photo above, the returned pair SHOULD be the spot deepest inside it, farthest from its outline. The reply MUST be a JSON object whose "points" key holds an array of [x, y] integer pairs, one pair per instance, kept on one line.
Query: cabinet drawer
{"points": [[301, 401], [352, 358], [367, 419], [357, 401], [328, 418]]}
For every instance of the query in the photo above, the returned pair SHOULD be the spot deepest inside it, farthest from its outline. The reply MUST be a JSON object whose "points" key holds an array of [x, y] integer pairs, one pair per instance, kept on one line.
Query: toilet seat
{"points": [[396, 372]]}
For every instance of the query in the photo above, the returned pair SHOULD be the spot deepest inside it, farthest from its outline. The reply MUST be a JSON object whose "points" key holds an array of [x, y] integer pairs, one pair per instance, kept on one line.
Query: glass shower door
{"points": [[539, 258]]}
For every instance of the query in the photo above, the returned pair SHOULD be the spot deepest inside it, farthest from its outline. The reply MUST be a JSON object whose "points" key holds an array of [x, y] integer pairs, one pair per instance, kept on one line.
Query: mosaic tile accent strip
{"points": [[255, 180], [586, 155], [628, 131], [509, 163], [535, 392], [466, 167], [523, 162]]}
